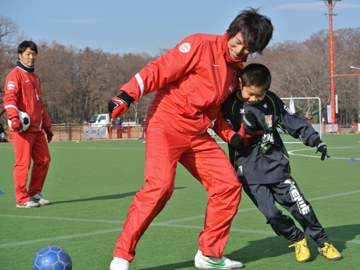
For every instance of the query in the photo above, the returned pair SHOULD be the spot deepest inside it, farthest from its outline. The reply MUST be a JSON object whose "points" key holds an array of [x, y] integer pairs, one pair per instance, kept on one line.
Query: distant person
{"points": [[23, 93], [3, 137], [143, 128], [263, 167], [192, 81], [118, 127]]}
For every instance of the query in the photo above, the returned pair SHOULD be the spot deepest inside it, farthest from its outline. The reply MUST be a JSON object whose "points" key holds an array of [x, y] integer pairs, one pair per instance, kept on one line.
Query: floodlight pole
{"points": [[332, 77], [331, 4], [358, 90]]}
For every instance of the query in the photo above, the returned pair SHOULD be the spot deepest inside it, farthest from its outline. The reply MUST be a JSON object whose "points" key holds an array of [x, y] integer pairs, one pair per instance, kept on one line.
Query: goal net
{"points": [[308, 108]]}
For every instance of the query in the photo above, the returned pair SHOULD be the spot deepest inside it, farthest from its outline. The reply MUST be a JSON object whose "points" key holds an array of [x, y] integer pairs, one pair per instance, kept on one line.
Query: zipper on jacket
{"points": [[37, 97]]}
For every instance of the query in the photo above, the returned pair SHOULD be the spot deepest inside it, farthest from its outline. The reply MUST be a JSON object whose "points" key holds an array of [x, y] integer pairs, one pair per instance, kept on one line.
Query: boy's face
{"points": [[252, 94]]}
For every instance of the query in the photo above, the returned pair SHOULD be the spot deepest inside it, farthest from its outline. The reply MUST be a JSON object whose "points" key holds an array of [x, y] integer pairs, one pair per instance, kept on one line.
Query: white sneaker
{"points": [[203, 262], [38, 198], [29, 204], [119, 264]]}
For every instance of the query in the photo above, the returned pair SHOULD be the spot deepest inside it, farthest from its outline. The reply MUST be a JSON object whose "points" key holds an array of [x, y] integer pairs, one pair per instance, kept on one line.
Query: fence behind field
{"points": [[76, 133]]}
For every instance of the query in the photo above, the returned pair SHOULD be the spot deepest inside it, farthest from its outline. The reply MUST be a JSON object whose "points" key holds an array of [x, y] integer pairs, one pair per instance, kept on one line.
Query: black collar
{"points": [[25, 68]]}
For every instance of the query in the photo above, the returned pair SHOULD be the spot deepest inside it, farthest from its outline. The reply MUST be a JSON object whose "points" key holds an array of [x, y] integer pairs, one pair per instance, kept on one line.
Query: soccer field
{"points": [[92, 183]]}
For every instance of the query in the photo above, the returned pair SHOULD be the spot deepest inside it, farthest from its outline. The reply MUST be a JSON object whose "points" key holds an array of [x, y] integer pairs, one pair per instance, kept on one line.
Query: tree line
{"points": [[77, 83]]}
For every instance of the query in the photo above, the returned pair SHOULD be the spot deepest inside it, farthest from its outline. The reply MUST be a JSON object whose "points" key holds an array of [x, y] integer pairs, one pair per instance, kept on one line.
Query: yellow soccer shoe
{"points": [[329, 252], [302, 251]]}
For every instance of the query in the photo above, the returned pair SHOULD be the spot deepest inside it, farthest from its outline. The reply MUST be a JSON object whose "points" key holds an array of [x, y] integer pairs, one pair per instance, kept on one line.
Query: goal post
{"points": [[309, 108]]}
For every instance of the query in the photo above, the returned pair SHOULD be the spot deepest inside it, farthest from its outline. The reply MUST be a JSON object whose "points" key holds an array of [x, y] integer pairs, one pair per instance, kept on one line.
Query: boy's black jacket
{"points": [[268, 161]]}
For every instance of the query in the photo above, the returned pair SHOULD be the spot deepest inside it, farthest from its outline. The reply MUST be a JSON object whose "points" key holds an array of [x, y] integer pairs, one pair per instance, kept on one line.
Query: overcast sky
{"points": [[123, 26]]}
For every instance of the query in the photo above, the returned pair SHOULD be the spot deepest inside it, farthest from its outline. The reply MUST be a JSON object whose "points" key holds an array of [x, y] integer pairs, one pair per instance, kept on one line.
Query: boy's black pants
{"points": [[288, 195]]}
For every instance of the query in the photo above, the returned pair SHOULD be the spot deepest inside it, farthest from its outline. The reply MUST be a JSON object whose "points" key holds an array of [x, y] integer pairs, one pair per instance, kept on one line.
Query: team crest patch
{"points": [[185, 47], [269, 120], [288, 181]]}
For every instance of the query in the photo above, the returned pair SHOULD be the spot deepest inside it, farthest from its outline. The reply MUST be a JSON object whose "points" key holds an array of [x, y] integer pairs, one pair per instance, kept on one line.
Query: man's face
{"points": [[28, 57], [252, 94], [237, 49]]}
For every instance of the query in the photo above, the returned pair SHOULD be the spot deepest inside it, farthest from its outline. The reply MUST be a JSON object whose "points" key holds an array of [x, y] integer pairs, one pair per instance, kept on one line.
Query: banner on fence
{"points": [[95, 132], [329, 114], [292, 105], [331, 128]]}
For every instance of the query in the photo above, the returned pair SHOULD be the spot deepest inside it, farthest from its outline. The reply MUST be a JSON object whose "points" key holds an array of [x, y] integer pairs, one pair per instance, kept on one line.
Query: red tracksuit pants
{"points": [[27, 146], [208, 163]]}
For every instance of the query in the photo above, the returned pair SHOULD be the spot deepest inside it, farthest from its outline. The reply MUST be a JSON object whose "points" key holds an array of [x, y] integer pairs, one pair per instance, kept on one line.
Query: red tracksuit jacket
{"points": [[23, 92], [193, 80]]}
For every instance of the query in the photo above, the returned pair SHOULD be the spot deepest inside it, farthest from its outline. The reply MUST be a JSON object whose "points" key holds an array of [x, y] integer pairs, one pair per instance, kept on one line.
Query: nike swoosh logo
{"points": [[216, 65], [27, 80], [221, 263]]}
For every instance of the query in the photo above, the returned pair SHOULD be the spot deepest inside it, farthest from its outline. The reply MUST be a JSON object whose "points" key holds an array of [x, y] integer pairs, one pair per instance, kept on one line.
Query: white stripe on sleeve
{"points": [[141, 83], [11, 106]]}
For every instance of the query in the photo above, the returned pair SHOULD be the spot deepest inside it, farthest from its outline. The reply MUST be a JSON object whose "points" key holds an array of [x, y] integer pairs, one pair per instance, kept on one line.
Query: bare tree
{"points": [[55, 64], [9, 38], [79, 83]]}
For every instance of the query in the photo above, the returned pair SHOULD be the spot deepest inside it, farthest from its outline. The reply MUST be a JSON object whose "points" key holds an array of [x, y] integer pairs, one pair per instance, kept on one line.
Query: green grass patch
{"points": [[92, 183]]}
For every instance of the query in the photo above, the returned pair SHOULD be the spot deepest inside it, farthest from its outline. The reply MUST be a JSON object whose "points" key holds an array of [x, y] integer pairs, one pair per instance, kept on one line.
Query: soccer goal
{"points": [[307, 107]]}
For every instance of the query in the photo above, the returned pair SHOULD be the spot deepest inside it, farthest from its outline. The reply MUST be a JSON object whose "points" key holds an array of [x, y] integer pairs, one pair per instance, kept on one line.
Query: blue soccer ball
{"points": [[52, 258]]}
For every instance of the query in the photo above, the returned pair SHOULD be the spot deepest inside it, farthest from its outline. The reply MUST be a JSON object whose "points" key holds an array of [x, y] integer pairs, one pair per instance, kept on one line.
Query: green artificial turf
{"points": [[92, 183]]}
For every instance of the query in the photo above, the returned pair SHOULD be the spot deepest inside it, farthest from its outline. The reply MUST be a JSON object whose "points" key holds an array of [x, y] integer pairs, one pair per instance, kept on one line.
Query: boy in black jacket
{"points": [[262, 163]]}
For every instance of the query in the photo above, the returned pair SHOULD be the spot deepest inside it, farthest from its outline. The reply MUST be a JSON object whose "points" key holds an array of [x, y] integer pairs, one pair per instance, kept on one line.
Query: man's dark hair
{"points": [[27, 44], [256, 75], [256, 29]]}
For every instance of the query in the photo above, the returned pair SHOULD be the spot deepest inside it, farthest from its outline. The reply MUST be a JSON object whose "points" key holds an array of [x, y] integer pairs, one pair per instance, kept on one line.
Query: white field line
{"points": [[52, 239], [291, 152], [169, 223]]}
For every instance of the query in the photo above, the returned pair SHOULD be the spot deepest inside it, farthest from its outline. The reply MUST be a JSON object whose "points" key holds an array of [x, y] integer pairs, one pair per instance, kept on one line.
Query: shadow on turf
{"points": [[276, 246], [105, 197]]}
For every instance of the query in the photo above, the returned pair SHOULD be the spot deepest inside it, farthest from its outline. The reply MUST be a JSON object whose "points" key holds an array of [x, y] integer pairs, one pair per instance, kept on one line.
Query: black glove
{"points": [[250, 122], [119, 104], [237, 141], [321, 147]]}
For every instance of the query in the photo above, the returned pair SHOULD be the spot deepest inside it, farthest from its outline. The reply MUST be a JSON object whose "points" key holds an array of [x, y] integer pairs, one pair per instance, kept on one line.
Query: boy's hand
{"points": [[250, 121], [247, 135], [321, 147]]}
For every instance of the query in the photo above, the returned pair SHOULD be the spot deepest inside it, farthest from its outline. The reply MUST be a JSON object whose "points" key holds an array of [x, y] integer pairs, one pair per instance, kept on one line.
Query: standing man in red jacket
{"points": [[23, 93], [192, 81]]}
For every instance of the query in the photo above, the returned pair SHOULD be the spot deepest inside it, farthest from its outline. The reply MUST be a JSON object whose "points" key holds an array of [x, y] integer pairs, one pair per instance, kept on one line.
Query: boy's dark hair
{"points": [[27, 44], [256, 75], [256, 29]]}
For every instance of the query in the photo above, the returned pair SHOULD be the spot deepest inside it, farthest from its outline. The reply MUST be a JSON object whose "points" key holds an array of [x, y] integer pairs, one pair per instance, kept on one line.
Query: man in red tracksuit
{"points": [[192, 81], [23, 93]]}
